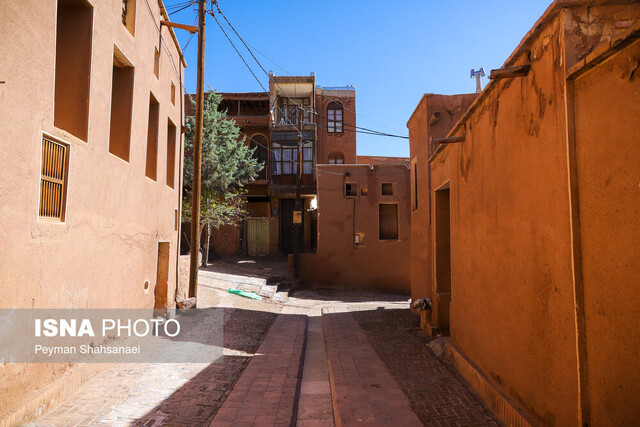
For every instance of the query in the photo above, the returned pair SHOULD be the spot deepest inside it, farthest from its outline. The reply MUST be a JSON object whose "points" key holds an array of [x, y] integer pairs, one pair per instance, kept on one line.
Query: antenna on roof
{"points": [[477, 75]]}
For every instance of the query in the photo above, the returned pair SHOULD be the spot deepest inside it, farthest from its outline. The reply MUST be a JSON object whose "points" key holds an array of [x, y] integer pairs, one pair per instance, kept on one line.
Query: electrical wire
{"points": [[188, 4], [238, 52], [285, 93]]}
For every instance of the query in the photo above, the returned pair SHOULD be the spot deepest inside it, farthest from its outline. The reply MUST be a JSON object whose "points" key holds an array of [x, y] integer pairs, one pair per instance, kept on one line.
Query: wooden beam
{"points": [[189, 28], [509, 72], [450, 140]]}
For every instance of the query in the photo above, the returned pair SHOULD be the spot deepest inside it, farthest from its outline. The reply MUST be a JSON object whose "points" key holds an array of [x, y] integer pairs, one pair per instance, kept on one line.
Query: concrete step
{"points": [[224, 281], [265, 287]]}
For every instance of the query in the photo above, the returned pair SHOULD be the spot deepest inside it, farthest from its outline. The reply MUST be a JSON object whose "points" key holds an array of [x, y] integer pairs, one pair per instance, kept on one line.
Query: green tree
{"points": [[227, 164]]}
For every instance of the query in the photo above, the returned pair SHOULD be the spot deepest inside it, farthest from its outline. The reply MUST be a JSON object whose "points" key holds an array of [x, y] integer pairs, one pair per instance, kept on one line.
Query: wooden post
{"points": [[296, 226], [197, 157]]}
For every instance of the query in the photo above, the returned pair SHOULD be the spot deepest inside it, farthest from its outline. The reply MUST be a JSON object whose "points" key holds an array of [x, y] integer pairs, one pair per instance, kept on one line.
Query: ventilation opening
{"points": [[73, 67], [152, 138], [171, 153], [53, 181], [156, 64], [121, 105], [129, 15]]}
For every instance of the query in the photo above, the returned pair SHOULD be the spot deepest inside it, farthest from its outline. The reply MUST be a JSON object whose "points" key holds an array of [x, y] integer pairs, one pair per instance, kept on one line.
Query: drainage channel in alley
{"points": [[305, 358]]}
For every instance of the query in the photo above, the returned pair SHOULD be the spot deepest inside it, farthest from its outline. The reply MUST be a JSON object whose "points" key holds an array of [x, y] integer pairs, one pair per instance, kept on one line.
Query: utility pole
{"points": [[197, 157], [298, 222]]}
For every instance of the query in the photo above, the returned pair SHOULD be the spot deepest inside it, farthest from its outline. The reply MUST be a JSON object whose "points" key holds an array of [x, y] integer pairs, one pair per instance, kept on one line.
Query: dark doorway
{"points": [[287, 227], [443, 259]]}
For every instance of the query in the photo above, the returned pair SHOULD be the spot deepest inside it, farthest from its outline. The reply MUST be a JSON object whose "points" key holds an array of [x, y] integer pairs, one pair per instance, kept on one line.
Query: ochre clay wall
{"points": [[515, 237], [445, 111], [376, 264], [511, 307], [376, 160], [107, 246], [607, 131]]}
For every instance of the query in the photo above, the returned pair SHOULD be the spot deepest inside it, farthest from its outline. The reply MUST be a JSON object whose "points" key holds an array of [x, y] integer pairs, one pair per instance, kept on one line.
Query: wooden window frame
{"points": [[284, 158], [54, 171], [336, 158], [350, 190], [335, 124]]}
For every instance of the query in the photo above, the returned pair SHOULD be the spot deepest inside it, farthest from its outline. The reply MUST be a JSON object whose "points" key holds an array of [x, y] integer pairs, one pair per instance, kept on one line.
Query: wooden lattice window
{"points": [[53, 181]]}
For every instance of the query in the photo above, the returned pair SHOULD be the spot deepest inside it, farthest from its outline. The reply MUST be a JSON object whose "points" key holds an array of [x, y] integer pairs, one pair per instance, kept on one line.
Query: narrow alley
{"points": [[309, 359]]}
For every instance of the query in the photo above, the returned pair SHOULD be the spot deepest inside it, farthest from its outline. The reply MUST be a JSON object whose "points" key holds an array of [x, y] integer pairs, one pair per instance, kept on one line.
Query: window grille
{"points": [[52, 183]]}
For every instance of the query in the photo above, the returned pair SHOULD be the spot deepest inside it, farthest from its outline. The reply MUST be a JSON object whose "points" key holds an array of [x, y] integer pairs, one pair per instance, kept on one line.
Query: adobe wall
{"points": [[376, 264], [377, 160], [511, 278], [445, 111], [107, 247], [606, 106]]}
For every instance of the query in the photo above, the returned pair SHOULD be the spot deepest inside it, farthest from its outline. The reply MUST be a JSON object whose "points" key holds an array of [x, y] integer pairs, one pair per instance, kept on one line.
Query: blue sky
{"points": [[392, 52]]}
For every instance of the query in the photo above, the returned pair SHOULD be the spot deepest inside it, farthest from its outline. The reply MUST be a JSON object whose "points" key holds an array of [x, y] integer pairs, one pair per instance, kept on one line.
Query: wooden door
{"points": [[258, 236]]}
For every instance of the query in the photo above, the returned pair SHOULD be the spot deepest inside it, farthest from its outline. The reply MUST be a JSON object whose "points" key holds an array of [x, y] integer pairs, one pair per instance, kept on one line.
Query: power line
{"points": [[174, 10], [254, 57], [369, 131], [237, 51]]}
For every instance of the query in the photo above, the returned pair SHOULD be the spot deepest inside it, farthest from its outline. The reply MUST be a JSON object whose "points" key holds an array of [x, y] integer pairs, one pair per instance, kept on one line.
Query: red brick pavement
{"points": [[266, 393], [436, 395], [363, 390]]}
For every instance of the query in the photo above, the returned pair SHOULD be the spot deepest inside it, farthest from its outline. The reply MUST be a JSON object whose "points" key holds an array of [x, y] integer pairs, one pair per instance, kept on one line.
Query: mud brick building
{"points": [[364, 228], [91, 106], [527, 202], [270, 122]]}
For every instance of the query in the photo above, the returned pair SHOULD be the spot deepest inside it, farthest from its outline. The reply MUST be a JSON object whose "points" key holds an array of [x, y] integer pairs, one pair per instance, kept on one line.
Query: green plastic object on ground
{"points": [[246, 294]]}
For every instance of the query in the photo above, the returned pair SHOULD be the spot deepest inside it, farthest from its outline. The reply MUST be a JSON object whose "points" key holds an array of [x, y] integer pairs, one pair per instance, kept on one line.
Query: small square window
{"points": [[387, 189], [350, 189]]}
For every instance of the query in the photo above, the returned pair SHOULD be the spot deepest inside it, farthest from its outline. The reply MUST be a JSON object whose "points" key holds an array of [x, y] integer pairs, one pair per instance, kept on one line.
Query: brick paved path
{"points": [[266, 394], [381, 372], [362, 388], [172, 394], [436, 395]]}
